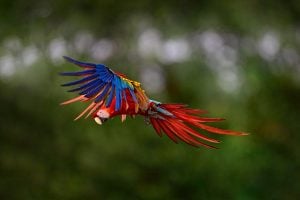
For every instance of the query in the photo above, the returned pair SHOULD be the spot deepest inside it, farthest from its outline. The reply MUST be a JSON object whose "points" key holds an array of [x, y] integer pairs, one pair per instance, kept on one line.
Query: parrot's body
{"points": [[114, 94]]}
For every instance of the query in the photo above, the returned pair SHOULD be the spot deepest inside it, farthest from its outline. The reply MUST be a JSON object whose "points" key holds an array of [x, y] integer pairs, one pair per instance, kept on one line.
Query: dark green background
{"points": [[242, 64]]}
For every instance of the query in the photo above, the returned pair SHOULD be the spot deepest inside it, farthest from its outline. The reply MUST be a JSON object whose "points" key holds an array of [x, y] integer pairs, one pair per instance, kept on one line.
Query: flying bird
{"points": [[113, 94]]}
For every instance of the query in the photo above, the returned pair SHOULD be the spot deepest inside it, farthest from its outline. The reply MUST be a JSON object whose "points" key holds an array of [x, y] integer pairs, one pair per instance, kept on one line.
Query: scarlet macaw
{"points": [[113, 94]]}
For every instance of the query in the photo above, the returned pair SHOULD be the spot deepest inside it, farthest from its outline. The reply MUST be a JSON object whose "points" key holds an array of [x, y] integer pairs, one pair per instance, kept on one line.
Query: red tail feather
{"points": [[179, 124]]}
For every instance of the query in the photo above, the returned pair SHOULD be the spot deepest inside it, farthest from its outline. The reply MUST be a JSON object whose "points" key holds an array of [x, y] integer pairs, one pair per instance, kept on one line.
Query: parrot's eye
{"points": [[100, 120]]}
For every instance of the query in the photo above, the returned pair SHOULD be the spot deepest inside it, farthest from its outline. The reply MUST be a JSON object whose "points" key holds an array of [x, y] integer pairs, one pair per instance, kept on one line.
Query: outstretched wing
{"points": [[101, 85]]}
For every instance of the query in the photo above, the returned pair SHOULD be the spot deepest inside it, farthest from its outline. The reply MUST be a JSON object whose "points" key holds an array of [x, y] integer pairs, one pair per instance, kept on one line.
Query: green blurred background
{"points": [[237, 59]]}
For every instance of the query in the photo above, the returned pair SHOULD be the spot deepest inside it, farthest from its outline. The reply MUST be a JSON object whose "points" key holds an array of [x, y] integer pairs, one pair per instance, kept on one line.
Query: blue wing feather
{"points": [[118, 100], [106, 77], [119, 88], [80, 73], [88, 78], [110, 97], [94, 91], [81, 64], [100, 83], [103, 94], [94, 83], [91, 91]]}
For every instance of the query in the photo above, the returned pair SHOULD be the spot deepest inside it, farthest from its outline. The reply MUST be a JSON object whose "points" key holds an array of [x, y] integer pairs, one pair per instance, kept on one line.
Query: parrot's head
{"points": [[102, 116]]}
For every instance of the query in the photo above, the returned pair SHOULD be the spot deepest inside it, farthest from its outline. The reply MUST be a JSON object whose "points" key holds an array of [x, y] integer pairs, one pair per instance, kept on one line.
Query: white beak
{"points": [[98, 120]]}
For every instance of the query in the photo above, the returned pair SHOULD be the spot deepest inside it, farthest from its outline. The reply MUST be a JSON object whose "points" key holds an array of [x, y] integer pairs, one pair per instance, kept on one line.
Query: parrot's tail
{"points": [[178, 121]]}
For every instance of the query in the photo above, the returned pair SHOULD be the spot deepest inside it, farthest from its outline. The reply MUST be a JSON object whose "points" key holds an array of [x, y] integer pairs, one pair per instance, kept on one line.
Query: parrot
{"points": [[112, 94]]}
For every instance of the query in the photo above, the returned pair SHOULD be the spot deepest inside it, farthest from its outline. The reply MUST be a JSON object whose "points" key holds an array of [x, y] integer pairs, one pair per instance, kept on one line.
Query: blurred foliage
{"points": [[45, 155]]}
